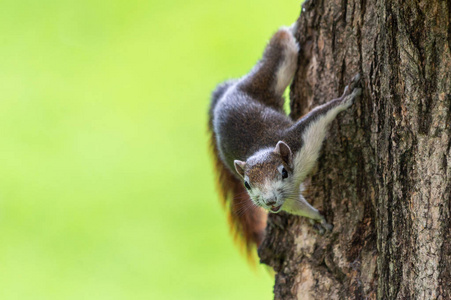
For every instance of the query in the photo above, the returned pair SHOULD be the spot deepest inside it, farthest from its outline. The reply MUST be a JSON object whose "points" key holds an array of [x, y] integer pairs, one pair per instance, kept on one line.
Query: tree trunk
{"points": [[384, 176]]}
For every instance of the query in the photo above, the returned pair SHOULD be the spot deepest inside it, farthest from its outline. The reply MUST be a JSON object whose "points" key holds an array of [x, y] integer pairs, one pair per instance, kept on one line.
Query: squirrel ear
{"points": [[284, 151], [239, 167]]}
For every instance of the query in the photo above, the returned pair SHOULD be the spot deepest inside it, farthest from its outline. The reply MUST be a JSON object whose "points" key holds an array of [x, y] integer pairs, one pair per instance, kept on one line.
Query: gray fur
{"points": [[249, 122]]}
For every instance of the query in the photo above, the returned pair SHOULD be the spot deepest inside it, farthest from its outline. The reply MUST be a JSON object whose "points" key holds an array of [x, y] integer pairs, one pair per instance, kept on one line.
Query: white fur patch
{"points": [[286, 71], [269, 191], [313, 137]]}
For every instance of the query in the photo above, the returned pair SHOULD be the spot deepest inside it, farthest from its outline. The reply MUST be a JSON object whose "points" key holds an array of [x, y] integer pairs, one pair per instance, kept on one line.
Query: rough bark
{"points": [[384, 176]]}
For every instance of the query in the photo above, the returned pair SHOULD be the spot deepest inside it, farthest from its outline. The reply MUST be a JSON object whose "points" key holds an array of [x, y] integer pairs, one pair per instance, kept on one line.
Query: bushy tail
{"points": [[247, 221]]}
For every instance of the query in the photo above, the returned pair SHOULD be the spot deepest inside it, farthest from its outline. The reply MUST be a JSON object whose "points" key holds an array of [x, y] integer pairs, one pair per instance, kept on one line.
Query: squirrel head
{"points": [[268, 176]]}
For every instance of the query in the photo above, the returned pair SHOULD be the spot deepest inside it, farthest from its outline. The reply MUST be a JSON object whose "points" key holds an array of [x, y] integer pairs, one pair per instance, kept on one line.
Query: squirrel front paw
{"points": [[321, 226], [352, 91], [349, 100], [353, 84], [355, 81]]}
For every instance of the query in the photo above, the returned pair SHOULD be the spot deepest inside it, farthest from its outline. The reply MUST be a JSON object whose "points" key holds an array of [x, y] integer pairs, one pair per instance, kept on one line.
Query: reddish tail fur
{"points": [[247, 221]]}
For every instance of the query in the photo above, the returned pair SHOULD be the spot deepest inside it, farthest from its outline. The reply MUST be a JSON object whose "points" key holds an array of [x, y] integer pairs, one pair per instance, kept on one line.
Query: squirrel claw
{"points": [[322, 226], [355, 81], [318, 228], [349, 99], [327, 226], [353, 84], [356, 92]]}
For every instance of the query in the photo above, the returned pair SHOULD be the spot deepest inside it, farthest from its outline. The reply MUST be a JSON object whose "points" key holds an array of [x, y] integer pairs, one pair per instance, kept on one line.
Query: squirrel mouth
{"points": [[275, 209]]}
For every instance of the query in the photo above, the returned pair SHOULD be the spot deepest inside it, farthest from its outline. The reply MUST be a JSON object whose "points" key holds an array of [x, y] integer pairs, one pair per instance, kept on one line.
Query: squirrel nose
{"points": [[270, 203]]}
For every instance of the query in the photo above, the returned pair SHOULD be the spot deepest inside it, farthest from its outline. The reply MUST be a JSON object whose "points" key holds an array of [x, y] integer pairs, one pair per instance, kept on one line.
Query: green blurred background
{"points": [[106, 185]]}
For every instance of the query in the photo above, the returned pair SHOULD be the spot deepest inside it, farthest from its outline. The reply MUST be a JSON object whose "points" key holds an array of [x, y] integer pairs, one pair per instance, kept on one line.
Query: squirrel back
{"points": [[240, 125], [247, 221]]}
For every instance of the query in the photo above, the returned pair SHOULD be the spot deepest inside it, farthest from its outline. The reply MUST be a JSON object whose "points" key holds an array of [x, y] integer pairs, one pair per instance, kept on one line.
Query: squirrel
{"points": [[261, 155]]}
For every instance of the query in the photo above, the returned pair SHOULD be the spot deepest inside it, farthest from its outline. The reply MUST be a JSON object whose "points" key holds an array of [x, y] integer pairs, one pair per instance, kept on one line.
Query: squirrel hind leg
{"points": [[287, 66], [274, 72]]}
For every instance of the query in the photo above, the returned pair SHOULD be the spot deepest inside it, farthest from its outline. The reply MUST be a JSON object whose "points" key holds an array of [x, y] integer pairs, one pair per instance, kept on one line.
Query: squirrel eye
{"points": [[284, 173], [247, 185]]}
